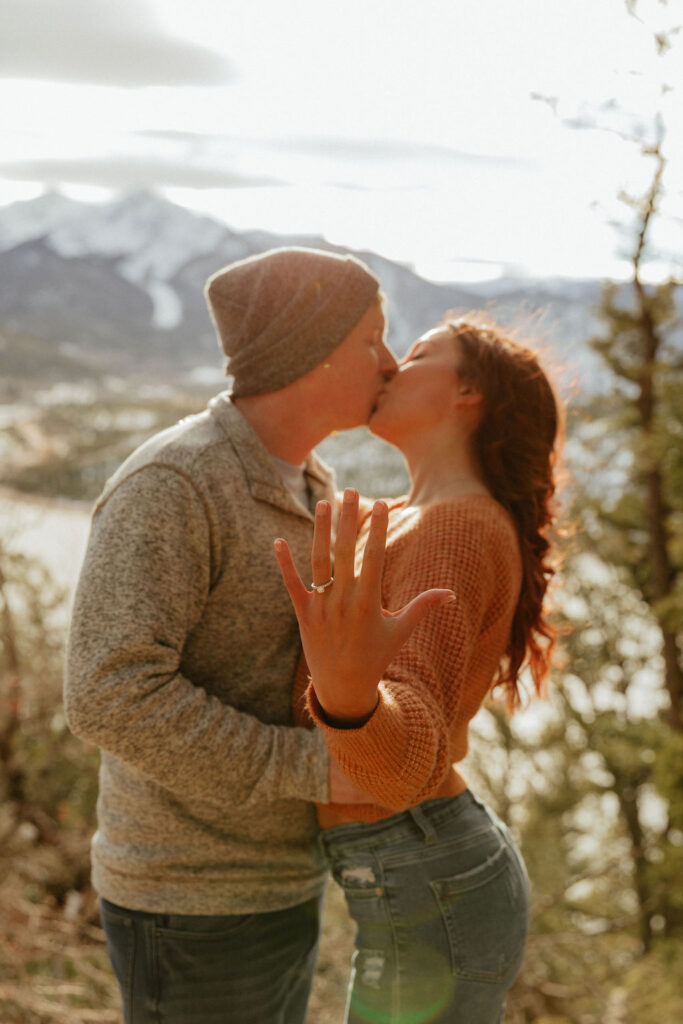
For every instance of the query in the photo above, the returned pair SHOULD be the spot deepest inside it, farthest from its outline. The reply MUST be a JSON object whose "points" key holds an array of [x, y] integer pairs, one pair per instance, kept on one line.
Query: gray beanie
{"points": [[282, 312]]}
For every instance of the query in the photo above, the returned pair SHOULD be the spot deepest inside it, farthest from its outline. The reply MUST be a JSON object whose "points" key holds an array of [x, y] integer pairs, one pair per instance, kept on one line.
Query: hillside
{"points": [[116, 289]]}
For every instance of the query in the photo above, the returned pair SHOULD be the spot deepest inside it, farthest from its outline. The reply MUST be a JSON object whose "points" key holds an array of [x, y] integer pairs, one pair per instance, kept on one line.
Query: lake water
{"points": [[53, 531]]}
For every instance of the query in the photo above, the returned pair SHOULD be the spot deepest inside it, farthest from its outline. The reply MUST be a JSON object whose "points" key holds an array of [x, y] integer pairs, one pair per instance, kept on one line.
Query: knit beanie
{"points": [[280, 313]]}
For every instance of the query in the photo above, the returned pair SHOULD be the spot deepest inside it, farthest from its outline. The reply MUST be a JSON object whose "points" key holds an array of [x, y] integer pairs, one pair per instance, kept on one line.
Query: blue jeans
{"points": [[196, 969], [440, 897]]}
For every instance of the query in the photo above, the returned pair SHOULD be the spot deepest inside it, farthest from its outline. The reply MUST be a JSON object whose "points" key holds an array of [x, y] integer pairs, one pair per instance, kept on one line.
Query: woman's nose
{"points": [[387, 364]]}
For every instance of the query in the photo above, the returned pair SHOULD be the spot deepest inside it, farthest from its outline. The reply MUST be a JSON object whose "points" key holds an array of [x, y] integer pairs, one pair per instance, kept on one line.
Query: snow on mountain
{"points": [[32, 218], [123, 282], [167, 310], [152, 238]]}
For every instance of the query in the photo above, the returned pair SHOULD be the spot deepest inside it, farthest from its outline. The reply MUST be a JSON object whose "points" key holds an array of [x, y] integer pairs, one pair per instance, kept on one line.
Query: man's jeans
{"points": [[192, 969], [440, 897]]}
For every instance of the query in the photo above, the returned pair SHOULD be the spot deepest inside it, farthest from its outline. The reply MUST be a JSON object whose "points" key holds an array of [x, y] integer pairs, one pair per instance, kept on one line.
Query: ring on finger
{"points": [[320, 587]]}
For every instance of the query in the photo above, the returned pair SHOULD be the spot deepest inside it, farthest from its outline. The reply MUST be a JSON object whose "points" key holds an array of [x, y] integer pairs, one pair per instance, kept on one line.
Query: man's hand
{"points": [[342, 790]]}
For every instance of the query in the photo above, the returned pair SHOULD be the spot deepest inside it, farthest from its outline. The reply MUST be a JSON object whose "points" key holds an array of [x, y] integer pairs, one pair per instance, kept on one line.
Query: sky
{"points": [[468, 138]]}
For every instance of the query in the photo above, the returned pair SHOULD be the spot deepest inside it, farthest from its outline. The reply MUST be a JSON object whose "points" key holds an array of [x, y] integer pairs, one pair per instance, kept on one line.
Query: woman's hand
{"points": [[342, 790], [348, 638]]}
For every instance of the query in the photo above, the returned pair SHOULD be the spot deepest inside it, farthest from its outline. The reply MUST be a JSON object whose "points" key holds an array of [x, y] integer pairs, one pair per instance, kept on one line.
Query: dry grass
{"points": [[329, 989], [54, 968]]}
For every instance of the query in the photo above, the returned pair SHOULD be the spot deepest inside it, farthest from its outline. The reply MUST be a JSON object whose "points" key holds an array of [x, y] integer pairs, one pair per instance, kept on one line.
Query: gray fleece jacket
{"points": [[182, 651]]}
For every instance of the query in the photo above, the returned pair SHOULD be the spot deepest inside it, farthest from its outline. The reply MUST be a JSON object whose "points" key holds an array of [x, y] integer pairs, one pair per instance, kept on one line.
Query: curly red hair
{"points": [[517, 442]]}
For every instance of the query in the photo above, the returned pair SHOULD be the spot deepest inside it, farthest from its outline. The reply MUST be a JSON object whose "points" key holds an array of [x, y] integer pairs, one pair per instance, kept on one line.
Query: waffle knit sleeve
{"points": [[401, 754]]}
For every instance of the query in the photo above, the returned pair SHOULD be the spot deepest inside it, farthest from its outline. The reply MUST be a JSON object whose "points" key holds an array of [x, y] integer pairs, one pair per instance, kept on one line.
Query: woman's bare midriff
{"points": [[452, 785]]}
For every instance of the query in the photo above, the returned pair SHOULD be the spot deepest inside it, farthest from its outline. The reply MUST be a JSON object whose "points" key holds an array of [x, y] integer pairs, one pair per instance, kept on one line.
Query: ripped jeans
{"points": [[440, 896]]}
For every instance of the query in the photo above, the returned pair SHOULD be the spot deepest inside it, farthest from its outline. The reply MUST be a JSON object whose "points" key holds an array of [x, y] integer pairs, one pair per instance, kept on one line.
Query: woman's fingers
{"points": [[408, 617], [345, 546], [321, 562], [373, 556], [292, 580]]}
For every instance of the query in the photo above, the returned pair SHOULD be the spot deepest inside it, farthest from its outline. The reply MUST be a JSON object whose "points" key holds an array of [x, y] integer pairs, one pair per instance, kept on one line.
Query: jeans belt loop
{"points": [[423, 823]]}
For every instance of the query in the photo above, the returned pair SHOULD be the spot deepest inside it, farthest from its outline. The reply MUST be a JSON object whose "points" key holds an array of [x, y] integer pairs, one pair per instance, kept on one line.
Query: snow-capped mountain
{"points": [[120, 285], [24, 221]]}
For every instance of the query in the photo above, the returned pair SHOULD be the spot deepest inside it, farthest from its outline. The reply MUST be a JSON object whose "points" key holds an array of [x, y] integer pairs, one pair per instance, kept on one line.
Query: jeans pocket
{"points": [[200, 927], [248, 968], [119, 931], [485, 912], [198, 947]]}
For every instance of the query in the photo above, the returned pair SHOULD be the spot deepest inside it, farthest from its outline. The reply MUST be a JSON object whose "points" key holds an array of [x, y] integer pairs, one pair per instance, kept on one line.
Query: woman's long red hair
{"points": [[517, 442]]}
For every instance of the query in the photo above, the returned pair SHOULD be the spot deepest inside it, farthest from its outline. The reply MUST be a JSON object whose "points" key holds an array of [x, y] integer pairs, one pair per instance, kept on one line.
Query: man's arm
{"points": [[142, 590]]}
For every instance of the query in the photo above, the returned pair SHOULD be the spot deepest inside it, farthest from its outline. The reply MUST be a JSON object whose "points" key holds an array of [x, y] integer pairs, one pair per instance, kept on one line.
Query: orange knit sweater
{"points": [[405, 752]]}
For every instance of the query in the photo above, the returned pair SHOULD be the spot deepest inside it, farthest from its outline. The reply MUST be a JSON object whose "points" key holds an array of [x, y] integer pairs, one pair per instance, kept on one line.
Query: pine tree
{"points": [[636, 525]]}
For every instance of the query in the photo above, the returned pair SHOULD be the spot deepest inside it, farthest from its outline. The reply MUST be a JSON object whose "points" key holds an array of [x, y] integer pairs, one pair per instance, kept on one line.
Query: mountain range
{"points": [[117, 290]]}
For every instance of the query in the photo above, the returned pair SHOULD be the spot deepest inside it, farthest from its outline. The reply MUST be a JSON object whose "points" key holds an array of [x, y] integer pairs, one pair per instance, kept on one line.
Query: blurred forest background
{"points": [[591, 781]]}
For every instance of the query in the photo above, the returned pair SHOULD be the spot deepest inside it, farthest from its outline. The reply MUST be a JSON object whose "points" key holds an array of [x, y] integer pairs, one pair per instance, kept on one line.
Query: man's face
{"points": [[349, 381]]}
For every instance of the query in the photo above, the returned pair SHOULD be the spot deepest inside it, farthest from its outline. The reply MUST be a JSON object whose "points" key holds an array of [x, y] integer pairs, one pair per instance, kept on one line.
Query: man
{"points": [[183, 648]]}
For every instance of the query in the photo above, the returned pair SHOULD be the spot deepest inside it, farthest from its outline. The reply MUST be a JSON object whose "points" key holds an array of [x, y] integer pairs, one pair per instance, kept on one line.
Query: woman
{"points": [[432, 878]]}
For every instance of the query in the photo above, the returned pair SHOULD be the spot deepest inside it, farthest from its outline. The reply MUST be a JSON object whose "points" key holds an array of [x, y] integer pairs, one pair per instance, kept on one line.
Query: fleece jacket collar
{"points": [[265, 483]]}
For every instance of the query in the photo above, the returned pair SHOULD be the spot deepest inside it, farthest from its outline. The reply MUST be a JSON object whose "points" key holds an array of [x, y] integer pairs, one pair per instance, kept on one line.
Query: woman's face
{"points": [[425, 390]]}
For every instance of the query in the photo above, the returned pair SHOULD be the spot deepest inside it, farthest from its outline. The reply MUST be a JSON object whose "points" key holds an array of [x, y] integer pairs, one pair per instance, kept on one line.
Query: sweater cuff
{"points": [[383, 734]]}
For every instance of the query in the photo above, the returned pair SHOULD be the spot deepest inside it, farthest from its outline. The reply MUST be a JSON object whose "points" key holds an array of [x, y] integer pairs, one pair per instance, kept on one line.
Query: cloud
{"points": [[100, 42], [383, 150], [182, 159], [339, 148], [128, 172]]}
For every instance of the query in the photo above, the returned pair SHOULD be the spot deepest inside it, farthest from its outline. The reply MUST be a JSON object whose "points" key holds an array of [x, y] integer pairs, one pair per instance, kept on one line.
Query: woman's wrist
{"points": [[342, 716]]}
